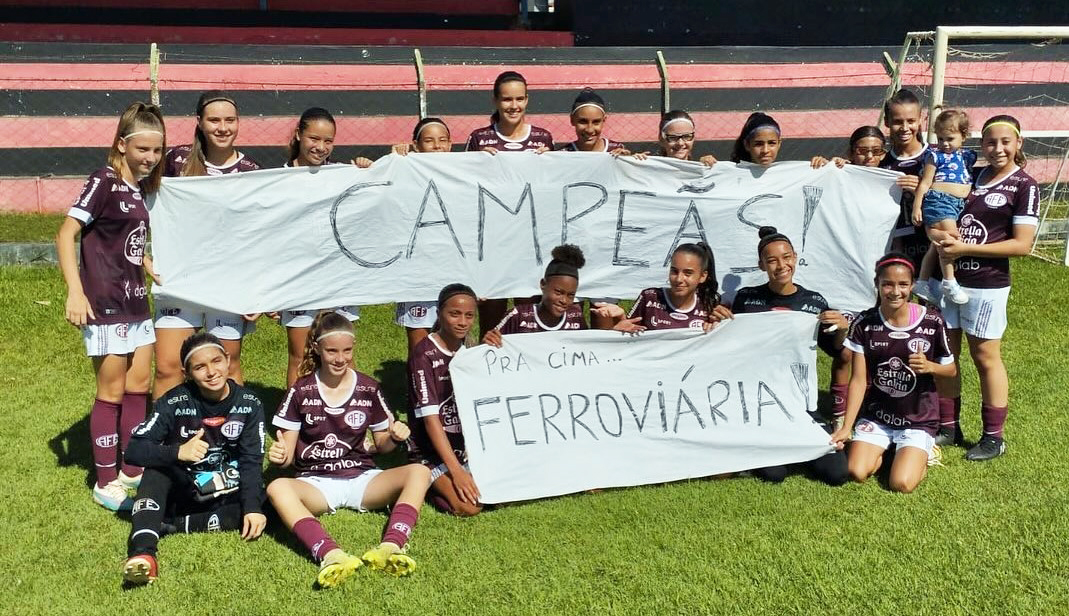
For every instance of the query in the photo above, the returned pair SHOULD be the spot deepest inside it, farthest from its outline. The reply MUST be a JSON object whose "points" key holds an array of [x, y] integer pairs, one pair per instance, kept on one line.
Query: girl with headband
{"points": [[777, 258], [866, 148], [322, 426], [202, 450], [429, 135], [588, 118], [211, 153], [106, 294], [999, 221], [902, 117], [899, 348], [437, 441], [555, 309], [759, 141], [675, 135]]}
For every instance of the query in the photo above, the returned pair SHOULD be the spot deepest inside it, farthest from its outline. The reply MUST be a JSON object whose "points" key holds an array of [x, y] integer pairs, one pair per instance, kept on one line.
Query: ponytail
{"points": [[139, 117], [756, 121], [708, 292], [195, 165], [325, 323]]}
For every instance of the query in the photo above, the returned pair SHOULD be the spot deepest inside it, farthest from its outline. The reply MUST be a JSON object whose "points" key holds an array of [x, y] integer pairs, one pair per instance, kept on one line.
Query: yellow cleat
{"points": [[336, 567], [390, 559]]}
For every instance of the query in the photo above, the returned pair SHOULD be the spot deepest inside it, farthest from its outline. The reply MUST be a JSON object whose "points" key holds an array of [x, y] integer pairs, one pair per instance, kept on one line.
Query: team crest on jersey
{"points": [[995, 200], [121, 330], [919, 345], [895, 378], [355, 419], [695, 325], [417, 312], [232, 429]]}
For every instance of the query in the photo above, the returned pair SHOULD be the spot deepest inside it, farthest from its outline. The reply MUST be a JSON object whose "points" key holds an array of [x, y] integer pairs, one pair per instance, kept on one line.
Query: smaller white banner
{"points": [[561, 412]]}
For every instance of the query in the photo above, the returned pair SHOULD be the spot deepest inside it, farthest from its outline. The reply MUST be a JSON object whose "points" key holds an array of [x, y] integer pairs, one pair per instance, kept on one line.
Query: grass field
{"points": [[29, 227], [975, 538]]}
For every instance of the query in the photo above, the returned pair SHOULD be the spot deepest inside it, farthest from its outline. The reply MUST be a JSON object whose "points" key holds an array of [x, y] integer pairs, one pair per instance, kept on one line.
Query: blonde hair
{"points": [[139, 117], [325, 323]]}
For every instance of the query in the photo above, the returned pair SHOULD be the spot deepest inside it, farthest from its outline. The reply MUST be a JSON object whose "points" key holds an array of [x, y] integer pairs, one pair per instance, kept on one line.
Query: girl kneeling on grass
{"points": [[202, 450], [898, 348], [324, 420], [437, 441]]}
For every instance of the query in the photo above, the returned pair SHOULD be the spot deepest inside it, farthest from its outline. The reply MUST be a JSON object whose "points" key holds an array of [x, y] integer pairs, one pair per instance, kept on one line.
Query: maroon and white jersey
{"points": [[991, 211], [608, 145], [656, 310], [177, 157], [488, 137], [897, 396], [913, 240], [430, 393], [330, 440], [524, 319], [114, 227]]}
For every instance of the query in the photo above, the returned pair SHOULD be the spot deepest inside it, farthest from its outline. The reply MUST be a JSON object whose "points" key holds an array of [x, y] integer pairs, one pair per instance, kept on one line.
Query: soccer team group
{"points": [[196, 461]]}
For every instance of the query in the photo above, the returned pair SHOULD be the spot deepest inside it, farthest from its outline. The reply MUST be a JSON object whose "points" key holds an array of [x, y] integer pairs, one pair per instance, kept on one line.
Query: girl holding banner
{"points": [[759, 141], [211, 153], [899, 347], [675, 135], [588, 118], [692, 295]]}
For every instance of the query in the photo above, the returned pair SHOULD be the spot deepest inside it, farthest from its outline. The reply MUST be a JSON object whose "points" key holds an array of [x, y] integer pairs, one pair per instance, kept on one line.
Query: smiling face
{"points": [[208, 368], [677, 139], [335, 352], [778, 261], [511, 102], [142, 152], [763, 146], [948, 138], [894, 283], [1000, 146], [588, 122], [457, 316], [219, 123], [685, 274], [904, 122], [433, 138], [558, 294], [315, 143], [867, 152]]}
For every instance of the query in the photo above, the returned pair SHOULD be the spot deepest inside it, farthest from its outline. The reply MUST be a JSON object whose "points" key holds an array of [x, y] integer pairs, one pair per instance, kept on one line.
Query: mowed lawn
{"points": [[976, 538]]}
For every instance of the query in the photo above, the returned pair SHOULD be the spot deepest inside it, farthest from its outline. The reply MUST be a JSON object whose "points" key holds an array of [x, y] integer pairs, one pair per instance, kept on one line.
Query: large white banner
{"points": [[399, 231], [560, 412]]}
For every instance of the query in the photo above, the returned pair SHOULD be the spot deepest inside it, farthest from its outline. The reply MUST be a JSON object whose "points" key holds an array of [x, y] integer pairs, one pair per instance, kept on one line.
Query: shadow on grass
{"points": [[393, 378], [73, 448], [270, 396]]}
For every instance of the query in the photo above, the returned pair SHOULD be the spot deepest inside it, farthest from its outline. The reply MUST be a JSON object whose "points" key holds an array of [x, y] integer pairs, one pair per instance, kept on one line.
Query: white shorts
{"points": [[984, 316], [117, 338], [441, 469], [176, 314], [338, 493], [882, 435], [416, 315], [304, 318]]}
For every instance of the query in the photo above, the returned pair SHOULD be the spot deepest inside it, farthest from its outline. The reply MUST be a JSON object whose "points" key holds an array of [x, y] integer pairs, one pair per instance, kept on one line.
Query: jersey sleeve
{"points": [[379, 415], [146, 446], [1026, 203], [471, 145], [288, 416], [508, 324], [638, 309], [427, 399], [855, 340], [251, 460], [93, 199]]}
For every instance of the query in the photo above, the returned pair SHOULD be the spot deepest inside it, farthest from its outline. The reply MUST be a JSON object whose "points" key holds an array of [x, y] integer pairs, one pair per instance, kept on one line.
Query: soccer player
{"points": [[776, 257], [866, 148], [211, 153], [437, 441], [675, 136], [311, 146], [691, 296], [898, 348], [203, 450], [588, 118], [902, 117], [106, 296], [999, 221], [759, 141], [322, 423]]}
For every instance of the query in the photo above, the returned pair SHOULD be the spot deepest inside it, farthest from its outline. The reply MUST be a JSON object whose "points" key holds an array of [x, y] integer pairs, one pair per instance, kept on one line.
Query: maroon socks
{"points": [[134, 407], [993, 419], [402, 521], [949, 413], [103, 421], [838, 399], [310, 532]]}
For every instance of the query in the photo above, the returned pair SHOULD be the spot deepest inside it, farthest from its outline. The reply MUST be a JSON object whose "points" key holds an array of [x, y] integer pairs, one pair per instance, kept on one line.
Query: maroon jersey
{"points": [[114, 226], [609, 145], [430, 392], [177, 157], [913, 241], [524, 319], [991, 211], [897, 396], [330, 440], [655, 309], [488, 137]]}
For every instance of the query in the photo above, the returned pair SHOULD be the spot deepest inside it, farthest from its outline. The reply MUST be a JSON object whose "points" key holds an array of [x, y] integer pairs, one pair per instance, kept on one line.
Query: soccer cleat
{"points": [[130, 483], [988, 447], [112, 496], [949, 436], [935, 456], [953, 291], [390, 559], [140, 570], [336, 567]]}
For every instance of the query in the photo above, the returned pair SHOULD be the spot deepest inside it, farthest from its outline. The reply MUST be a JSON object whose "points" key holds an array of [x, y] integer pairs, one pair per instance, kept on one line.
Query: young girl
{"points": [[211, 153], [323, 422], [588, 118], [202, 450], [944, 183], [867, 148], [898, 348], [556, 309], [437, 441], [902, 117], [999, 221], [675, 136], [429, 135], [692, 295], [311, 146], [758, 142], [776, 257], [106, 296], [508, 129]]}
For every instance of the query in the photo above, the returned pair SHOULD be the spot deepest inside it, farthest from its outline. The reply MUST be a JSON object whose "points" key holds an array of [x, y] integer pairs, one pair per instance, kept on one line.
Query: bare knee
{"points": [[904, 485], [466, 510]]}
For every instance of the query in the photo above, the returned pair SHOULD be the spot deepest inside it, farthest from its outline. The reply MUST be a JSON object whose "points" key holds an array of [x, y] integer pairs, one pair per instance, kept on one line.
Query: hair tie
{"points": [[580, 106], [204, 345], [1003, 123], [339, 331], [664, 125]]}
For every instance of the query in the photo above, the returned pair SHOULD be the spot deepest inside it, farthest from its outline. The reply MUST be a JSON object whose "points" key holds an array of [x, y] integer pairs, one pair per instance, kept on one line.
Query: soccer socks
{"points": [[147, 515], [134, 408], [226, 517], [993, 419], [838, 400], [402, 521], [949, 413], [310, 532], [103, 421]]}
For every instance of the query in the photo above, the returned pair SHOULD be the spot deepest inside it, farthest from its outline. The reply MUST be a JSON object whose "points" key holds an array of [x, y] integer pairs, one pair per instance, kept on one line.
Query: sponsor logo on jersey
{"points": [[185, 432], [84, 203], [330, 447], [185, 412], [972, 231], [241, 410], [436, 363], [995, 200], [107, 440], [894, 378], [214, 422], [509, 145], [811, 309], [919, 345], [876, 344], [355, 419], [679, 316], [925, 331], [311, 402], [145, 504], [232, 429], [571, 326], [898, 335], [135, 245], [911, 162], [313, 419]]}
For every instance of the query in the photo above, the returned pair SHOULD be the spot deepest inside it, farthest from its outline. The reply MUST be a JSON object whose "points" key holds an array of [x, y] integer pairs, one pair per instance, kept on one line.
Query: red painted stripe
{"points": [[65, 131], [441, 7], [76, 33]]}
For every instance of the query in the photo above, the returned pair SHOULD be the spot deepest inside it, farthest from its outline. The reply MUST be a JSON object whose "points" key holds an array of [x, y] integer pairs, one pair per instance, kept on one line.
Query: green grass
{"points": [[975, 538], [29, 227]]}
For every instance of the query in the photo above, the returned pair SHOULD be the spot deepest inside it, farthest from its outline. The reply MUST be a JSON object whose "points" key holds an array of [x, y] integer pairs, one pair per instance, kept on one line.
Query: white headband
{"points": [[203, 345], [424, 127], [142, 132], [673, 121], [340, 331], [578, 107], [770, 127]]}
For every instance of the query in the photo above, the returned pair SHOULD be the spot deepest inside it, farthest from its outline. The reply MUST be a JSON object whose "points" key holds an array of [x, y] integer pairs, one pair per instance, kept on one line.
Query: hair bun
{"points": [[766, 231], [569, 254]]}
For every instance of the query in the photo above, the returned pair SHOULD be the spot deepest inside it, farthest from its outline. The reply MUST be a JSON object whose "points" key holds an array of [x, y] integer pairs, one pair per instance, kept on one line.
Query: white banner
{"points": [[559, 412], [399, 231]]}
